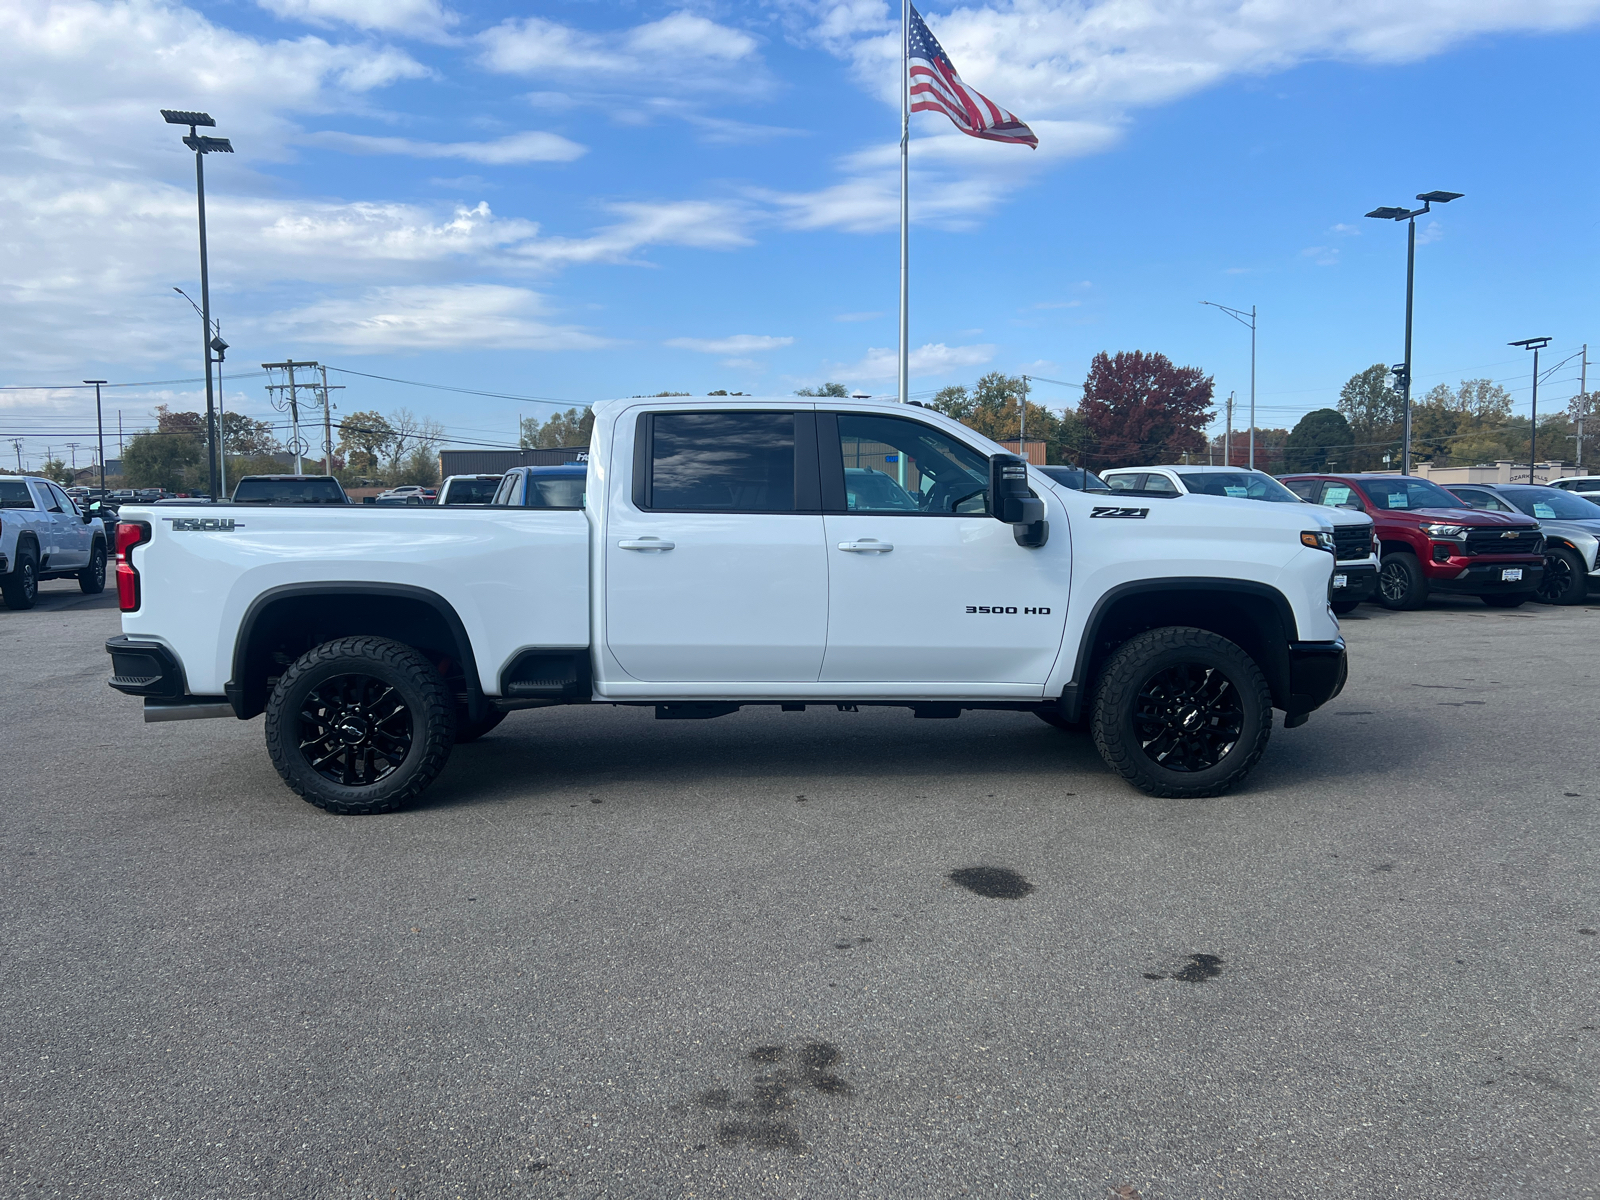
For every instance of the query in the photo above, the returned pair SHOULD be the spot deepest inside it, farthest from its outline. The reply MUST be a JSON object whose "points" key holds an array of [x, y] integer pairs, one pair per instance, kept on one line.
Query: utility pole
{"points": [[16, 444], [1583, 398], [1022, 421], [1535, 344], [72, 447], [297, 444], [119, 434], [1227, 435], [100, 433], [327, 423]]}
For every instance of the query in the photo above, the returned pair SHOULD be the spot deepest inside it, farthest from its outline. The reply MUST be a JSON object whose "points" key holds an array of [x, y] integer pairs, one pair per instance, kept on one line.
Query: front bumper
{"points": [[1317, 673], [1486, 579], [1360, 581]]}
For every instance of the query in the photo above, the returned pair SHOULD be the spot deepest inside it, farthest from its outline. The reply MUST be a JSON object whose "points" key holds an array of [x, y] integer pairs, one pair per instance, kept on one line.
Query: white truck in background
{"points": [[725, 553], [45, 535]]}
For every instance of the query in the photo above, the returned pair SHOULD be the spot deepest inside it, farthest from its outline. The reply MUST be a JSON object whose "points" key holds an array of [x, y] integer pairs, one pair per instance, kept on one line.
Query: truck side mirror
{"points": [[1011, 501]]}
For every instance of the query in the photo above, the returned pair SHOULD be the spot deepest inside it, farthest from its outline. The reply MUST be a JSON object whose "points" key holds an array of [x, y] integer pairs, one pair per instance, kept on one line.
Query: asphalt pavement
{"points": [[618, 957]]}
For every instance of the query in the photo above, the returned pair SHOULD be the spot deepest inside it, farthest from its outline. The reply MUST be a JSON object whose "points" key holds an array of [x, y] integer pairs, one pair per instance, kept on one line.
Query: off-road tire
{"points": [[1402, 586], [1516, 601], [1341, 607], [92, 579], [21, 587], [468, 730], [416, 685], [1565, 580], [1145, 659]]}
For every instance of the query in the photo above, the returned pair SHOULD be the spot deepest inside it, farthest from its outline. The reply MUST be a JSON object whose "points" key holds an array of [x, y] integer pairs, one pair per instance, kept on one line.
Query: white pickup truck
{"points": [[45, 535], [727, 553]]}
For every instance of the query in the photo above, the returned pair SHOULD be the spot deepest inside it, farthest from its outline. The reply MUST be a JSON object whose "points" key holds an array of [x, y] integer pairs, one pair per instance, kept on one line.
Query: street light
{"points": [[220, 449], [1410, 215], [1536, 345], [1238, 315], [202, 146], [100, 433]]}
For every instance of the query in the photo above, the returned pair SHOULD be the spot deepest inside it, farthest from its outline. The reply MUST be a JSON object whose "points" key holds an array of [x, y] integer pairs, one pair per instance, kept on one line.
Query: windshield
{"points": [[288, 491], [1242, 485], [472, 491], [1551, 504], [1401, 495], [1074, 477]]}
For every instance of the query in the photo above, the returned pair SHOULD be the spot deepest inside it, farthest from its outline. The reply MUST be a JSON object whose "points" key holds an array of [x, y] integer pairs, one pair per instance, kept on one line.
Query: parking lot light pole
{"points": [[1238, 315], [202, 146], [100, 432], [1410, 215], [1536, 345]]}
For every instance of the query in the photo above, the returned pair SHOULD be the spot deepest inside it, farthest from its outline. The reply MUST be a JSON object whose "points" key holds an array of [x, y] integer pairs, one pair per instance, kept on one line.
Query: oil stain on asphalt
{"points": [[1198, 969], [993, 883], [765, 1119]]}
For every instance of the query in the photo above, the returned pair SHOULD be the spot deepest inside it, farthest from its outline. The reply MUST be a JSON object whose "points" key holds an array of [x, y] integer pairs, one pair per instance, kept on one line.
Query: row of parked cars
{"points": [[1400, 539]]}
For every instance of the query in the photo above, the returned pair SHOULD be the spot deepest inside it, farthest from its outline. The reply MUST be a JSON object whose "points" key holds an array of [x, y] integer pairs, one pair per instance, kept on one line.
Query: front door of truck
{"points": [[924, 585], [714, 562], [74, 539]]}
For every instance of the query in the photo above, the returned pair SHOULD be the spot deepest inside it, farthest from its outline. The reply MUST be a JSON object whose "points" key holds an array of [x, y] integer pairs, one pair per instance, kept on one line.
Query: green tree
{"points": [[246, 437], [173, 461], [571, 428], [1374, 410], [57, 471], [837, 390], [364, 439], [1318, 438]]}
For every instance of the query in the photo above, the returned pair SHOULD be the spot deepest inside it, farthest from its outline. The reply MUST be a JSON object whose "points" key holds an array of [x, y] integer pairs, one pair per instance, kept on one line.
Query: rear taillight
{"points": [[129, 535]]}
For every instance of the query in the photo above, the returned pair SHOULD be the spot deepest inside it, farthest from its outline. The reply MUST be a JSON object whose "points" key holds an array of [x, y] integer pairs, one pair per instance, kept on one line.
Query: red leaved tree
{"points": [[1140, 409]]}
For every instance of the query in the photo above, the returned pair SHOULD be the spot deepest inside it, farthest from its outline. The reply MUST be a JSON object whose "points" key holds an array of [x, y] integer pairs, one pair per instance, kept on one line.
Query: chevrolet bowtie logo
{"points": [[1513, 533]]}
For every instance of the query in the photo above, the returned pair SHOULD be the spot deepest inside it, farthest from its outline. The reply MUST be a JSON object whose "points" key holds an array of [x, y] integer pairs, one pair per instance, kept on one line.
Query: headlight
{"points": [[1317, 540], [1444, 531]]}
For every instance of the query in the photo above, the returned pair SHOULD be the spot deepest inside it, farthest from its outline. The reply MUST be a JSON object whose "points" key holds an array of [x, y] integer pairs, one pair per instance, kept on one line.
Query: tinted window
{"points": [[722, 462], [288, 491], [1306, 489], [14, 494], [507, 488], [1242, 485], [1074, 477], [471, 491], [1475, 498], [1548, 504], [555, 491], [892, 465], [54, 500], [1403, 495], [1148, 484]]}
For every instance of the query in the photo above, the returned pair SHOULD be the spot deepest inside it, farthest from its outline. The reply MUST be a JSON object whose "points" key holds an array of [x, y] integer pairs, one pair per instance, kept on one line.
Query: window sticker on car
{"points": [[1110, 510], [1541, 509], [1241, 493], [1399, 500]]}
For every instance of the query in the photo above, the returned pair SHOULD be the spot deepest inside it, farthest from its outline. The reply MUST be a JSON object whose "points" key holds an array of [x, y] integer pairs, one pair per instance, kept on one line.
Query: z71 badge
{"points": [[1111, 510]]}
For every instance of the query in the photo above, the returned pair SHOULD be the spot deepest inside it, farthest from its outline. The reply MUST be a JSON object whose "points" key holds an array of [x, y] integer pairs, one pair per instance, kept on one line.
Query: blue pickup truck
{"points": [[44, 535]]}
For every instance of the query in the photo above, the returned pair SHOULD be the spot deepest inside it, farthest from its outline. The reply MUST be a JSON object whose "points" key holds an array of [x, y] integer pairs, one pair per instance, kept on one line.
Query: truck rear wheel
{"points": [[21, 587], [1401, 583], [1182, 712], [360, 725], [92, 579]]}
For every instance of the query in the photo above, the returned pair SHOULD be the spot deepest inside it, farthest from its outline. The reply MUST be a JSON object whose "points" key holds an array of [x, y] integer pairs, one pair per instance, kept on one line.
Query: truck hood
{"points": [[1473, 518]]}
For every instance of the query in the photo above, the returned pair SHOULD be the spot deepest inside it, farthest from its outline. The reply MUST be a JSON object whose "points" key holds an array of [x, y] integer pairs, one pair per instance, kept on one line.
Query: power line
{"points": [[444, 387]]}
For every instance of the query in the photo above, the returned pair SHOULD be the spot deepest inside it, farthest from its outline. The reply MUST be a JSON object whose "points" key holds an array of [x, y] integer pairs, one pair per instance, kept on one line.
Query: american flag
{"points": [[935, 87]]}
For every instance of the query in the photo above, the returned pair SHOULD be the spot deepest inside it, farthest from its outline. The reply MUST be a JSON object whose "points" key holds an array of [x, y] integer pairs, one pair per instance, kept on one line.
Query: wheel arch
{"points": [[289, 619], [1255, 616]]}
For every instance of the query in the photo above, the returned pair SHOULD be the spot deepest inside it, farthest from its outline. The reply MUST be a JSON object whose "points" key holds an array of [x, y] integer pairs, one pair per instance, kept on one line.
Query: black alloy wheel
{"points": [[21, 587], [360, 725], [354, 730], [1401, 584], [1182, 712], [1188, 717], [92, 579], [1564, 580]]}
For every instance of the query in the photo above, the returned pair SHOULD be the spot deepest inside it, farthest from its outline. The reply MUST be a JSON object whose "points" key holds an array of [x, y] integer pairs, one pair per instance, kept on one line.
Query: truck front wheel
{"points": [[1401, 584], [1182, 712], [360, 725]]}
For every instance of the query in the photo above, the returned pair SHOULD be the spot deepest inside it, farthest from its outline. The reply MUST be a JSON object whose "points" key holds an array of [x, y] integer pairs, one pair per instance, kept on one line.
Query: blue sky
{"points": [[581, 200]]}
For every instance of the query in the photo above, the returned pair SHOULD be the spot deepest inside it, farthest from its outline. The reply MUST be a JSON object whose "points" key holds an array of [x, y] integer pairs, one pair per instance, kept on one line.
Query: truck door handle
{"points": [[645, 543], [867, 546]]}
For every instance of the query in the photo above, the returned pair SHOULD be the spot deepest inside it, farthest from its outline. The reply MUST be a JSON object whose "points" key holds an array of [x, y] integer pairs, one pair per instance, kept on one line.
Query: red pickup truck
{"points": [[1432, 542]]}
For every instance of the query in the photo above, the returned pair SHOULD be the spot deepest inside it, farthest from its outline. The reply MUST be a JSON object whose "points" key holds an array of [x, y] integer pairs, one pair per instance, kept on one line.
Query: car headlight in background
{"points": [[1317, 540], [1444, 531]]}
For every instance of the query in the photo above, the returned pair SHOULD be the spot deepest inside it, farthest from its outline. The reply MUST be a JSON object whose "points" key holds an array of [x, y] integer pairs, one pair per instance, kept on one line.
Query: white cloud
{"points": [[455, 317], [740, 343], [1344, 230], [420, 17], [935, 358], [690, 51], [529, 147], [702, 224], [1323, 256], [1431, 232], [861, 316]]}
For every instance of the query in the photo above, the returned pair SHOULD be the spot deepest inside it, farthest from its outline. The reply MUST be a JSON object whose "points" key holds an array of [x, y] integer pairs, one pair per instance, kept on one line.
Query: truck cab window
{"points": [[892, 465], [15, 494], [721, 462]]}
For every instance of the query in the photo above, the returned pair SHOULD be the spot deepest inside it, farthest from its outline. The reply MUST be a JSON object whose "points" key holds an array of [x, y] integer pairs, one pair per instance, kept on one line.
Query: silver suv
{"points": [[1571, 527]]}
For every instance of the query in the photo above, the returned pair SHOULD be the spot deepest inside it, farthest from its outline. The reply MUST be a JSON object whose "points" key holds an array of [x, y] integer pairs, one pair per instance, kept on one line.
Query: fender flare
{"points": [[477, 706]]}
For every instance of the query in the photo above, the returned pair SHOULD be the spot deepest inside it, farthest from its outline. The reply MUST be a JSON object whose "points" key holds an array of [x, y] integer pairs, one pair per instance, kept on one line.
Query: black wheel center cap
{"points": [[1192, 718], [352, 729]]}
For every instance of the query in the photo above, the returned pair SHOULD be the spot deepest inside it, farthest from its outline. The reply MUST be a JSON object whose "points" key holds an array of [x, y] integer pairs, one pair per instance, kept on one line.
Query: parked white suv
{"points": [[1355, 573], [44, 535]]}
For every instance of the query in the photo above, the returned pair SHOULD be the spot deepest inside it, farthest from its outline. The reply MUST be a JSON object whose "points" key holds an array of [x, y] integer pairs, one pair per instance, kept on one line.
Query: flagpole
{"points": [[905, 210]]}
